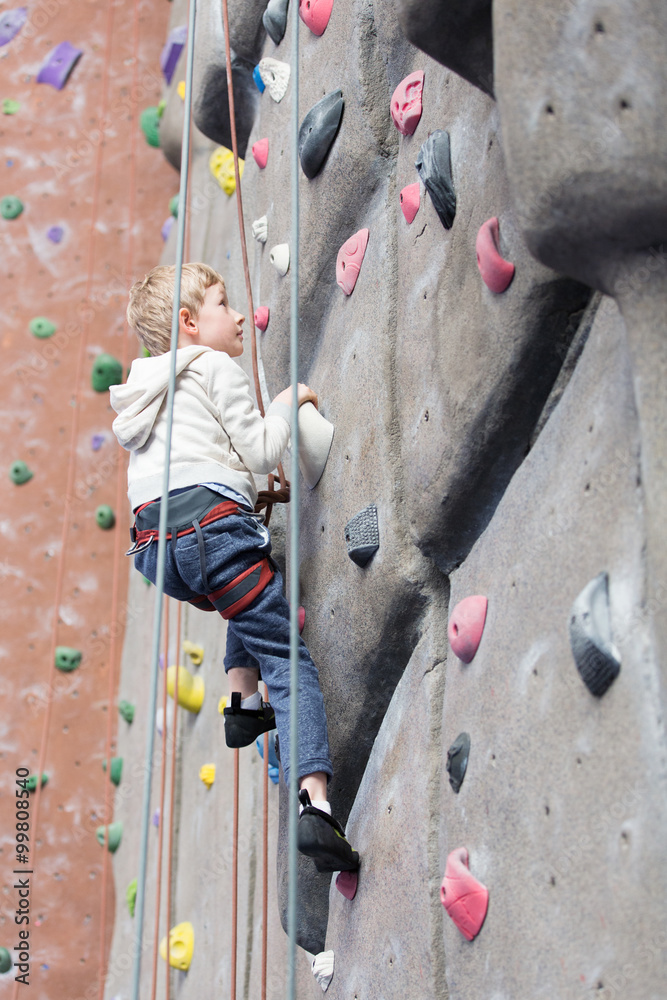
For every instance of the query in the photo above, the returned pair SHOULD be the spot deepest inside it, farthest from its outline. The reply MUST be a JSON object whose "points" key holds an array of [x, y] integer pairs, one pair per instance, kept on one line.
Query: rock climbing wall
{"points": [[68, 127], [492, 360]]}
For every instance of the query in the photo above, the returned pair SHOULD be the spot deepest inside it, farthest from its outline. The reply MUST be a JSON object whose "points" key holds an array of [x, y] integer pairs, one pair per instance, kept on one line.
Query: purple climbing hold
{"points": [[59, 65], [55, 234], [172, 50], [167, 227], [156, 817], [346, 883], [96, 441], [11, 23]]}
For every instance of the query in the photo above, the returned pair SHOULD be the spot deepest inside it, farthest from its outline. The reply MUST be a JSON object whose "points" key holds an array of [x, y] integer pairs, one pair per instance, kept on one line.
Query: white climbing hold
{"points": [[323, 969], [275, 75], [159, 717], [260, 229], [280, 258]]}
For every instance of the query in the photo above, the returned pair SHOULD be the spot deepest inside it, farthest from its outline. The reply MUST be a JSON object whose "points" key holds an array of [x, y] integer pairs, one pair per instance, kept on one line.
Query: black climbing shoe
{"points": [[244, 725], [323, 839]]}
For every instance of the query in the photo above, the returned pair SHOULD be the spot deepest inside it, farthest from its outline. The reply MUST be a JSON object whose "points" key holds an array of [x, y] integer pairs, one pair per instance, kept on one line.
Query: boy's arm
{"points": [[259, 441]]}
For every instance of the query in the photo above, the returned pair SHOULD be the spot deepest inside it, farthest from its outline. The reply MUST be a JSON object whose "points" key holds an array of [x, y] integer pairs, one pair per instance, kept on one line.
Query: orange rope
{"points": [[163, 779], [71, 470], [120, 501]]}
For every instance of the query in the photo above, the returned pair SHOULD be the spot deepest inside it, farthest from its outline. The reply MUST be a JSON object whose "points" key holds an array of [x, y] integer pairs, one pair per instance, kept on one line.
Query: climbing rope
{"points": [[164, 505], [163, 779], [170, 850], [71, 467]]}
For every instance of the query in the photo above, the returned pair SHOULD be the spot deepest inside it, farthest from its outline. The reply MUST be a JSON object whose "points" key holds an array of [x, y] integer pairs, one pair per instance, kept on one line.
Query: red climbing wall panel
{"points": [[50, 160]]}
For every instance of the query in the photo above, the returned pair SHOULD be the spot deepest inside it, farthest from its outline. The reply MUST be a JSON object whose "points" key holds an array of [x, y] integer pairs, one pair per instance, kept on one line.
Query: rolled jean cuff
{"points": [[312, 766]]}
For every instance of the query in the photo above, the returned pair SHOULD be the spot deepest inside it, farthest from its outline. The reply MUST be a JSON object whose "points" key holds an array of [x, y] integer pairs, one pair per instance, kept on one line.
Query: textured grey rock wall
{"points": [[502, 446]]}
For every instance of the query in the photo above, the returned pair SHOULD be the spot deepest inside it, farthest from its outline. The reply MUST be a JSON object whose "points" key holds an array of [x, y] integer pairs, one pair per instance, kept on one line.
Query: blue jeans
{"points": [[257, 636]]}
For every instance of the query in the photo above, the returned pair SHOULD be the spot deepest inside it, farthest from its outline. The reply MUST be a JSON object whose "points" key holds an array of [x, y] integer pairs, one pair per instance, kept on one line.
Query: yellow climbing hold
{"points": [[181, 90], [207, 774], [190, 688], [222, 168], [181, 946], [222, 704], [196, 653]]}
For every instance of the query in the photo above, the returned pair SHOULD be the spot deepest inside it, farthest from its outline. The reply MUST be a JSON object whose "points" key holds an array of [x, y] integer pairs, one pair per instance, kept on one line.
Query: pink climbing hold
{"points": [[302, 618], [406, 103], [496, 272], [262, 317], [260, 151], [463, 896], [466, 624], [346, 883], [349, 260], [410, 201], [315, 14]]}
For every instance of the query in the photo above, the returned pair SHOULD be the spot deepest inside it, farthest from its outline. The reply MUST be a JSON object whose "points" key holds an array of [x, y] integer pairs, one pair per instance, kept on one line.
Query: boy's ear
{"points": [[187, 325]]}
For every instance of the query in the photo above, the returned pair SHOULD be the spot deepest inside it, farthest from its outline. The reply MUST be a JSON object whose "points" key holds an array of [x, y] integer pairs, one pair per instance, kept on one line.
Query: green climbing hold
{"points": [[105, 517], [5, 960], [10, 107], [107, 371], [150, 125], [131, 896], [160, 108], [147, 581], [10, 207], [19, 472], [126, 709], [31, 782], [116, 769], [114, 837], [67, 659], [173, 206], [42, 327]]}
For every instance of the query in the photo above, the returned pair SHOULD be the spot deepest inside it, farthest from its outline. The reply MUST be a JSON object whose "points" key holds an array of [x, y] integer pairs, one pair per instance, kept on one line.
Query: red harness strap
{"points": [[243, 590], [222, 510]]}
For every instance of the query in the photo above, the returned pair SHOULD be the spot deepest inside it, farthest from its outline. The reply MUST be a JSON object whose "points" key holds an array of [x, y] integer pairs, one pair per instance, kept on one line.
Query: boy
{"points": [[217, 555]]}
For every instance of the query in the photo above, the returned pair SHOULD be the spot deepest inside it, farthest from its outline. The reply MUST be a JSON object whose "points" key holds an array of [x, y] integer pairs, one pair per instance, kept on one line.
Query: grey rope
{"points": [[164, 505], [294, 520]]}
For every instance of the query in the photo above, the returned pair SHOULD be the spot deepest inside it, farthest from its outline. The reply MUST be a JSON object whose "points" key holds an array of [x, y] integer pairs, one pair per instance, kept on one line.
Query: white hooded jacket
{"points": [[218, 435]]}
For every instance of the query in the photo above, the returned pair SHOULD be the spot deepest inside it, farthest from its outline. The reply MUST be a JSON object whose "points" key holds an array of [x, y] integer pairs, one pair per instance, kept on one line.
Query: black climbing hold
{"points": [[595, 655], [457, 760], [19, 472], [362, 535], [107, 371], [67, 658], [318, 131], [435, 169], [274, 19]]}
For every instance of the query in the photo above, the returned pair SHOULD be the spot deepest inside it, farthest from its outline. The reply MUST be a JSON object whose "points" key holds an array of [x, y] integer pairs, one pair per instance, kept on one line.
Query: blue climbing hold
{"points": [[274, 772], [257, 77]]}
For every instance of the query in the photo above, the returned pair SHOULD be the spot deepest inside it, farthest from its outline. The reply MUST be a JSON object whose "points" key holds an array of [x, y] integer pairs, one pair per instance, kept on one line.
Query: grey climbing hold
{"points": [[67, 659], [10, 207], [362, 535], [107, 371], [274, 19], [457, 760], [42, 327], [19, 472], [597, 659], [435, 169], [105, 517], [318, 131]]}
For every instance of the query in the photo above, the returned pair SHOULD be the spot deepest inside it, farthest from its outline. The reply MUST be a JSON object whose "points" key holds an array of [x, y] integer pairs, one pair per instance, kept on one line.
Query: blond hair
{"points": [[152, 301]]}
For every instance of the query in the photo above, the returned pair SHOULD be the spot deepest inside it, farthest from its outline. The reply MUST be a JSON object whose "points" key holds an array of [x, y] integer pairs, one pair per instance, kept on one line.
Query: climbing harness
{"points": [[189, 512]]}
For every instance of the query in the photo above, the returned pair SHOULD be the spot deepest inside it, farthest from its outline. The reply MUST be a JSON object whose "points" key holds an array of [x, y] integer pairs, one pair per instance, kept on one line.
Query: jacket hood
{"points": [[138, 401]]}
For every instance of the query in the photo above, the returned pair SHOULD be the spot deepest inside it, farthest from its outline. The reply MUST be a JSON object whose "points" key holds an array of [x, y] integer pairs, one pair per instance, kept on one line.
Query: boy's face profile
{"points": [[217, 325]]}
